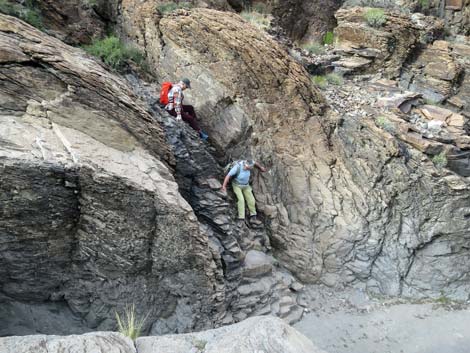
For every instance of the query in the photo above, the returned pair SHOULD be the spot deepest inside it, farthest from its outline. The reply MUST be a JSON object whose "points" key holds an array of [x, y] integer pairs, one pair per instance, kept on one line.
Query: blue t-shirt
{"points": [[243, 175]]}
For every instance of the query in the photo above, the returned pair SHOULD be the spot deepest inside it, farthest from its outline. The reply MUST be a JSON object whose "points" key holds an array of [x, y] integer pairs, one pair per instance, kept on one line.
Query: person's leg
{"points": [[190, 110], [241, 201], [191, 120], [250, 199], [172, 112]]}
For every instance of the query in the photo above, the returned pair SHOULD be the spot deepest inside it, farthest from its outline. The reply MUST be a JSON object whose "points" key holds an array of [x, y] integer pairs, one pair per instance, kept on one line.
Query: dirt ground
{"points": [[352, 322]]}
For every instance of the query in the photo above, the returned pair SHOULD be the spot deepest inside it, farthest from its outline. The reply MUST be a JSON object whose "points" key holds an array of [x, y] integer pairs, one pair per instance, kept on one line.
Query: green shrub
{"points": [[259, 7], [375, 17], [166, 7], [200, 345], [130, 325], [114, 52], [424, 4], [8, 8], [320, 81], [28, 12], [33, 17], [90, 3], [440, 160], [384, 123], [259, 20], [314, 48], [429, 101], [328, 38], [334, 79]]}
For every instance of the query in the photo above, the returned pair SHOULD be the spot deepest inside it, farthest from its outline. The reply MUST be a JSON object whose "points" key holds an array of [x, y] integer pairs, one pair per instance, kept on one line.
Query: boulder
{"points": [[403, 101], [256, 334], [96, 342], [257, 263]]}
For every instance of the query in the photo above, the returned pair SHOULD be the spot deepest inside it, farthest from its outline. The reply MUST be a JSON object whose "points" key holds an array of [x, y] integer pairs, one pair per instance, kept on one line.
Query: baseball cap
{"points": [[186, 82]]}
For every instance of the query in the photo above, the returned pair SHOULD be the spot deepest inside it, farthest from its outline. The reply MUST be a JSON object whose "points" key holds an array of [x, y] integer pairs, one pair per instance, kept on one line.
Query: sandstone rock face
{"points": [[257, 334], [344, 202], [97, 342], [388, 46], [91, 216]]}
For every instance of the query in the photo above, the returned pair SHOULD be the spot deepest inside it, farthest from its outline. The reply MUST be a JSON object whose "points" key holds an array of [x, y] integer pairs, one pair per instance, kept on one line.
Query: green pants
{"points": [[240, 191]]}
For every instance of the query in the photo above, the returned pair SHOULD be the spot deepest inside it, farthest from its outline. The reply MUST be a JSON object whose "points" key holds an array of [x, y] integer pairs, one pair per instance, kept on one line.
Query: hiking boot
{"points": [[203, 135], [255, 221]]}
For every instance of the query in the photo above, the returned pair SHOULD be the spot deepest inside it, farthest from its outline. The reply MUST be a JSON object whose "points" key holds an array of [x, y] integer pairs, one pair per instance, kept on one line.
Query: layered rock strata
{"points": [[91, 215], [383, 48]]}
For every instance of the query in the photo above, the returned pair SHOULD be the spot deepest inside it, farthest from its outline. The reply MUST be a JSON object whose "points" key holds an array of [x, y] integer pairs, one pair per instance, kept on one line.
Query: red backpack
{"points": [[166, 86]]}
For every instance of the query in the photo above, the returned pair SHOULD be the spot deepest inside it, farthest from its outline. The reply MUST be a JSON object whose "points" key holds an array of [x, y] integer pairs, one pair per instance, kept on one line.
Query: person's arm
{"points": [[260, 167], [177, 99], [226, 180]]}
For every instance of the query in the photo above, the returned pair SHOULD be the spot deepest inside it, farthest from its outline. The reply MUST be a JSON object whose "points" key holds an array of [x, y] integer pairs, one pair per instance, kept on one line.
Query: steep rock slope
{"points": [[344, 202], [91, 217]]}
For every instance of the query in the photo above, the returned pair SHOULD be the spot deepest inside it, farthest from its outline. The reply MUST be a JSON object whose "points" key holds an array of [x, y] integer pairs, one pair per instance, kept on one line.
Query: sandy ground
{"points": [[351, 322]]}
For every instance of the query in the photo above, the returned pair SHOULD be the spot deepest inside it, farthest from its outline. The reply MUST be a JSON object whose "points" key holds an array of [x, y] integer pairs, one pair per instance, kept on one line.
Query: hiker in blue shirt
{"points": [[240, 172]]}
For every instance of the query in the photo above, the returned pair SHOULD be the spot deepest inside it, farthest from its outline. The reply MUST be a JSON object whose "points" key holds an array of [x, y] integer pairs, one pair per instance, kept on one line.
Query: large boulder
{"points": [[257, 334], [91, 216], [344, 202], [96, 342]]}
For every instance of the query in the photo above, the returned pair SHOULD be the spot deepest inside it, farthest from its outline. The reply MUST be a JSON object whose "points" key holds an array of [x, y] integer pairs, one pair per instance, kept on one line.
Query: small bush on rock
{"points": [[334, 79], [385, 124], [440, 160], [8, 8], [259, 20], [328, 38], [28, 12], [166, 7], [314, 48], [424, 4], [320, 81], [260, 7], [114, 52], [129, 325], [375, 17]]}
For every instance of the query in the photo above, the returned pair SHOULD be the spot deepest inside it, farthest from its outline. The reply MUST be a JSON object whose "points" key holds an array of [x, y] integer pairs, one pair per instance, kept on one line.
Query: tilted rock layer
{"points": [[91, 215]]}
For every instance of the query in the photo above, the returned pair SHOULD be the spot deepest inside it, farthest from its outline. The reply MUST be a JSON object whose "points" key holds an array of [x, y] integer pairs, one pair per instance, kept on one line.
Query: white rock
{"points": [[95, 342], [257, 334]]}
